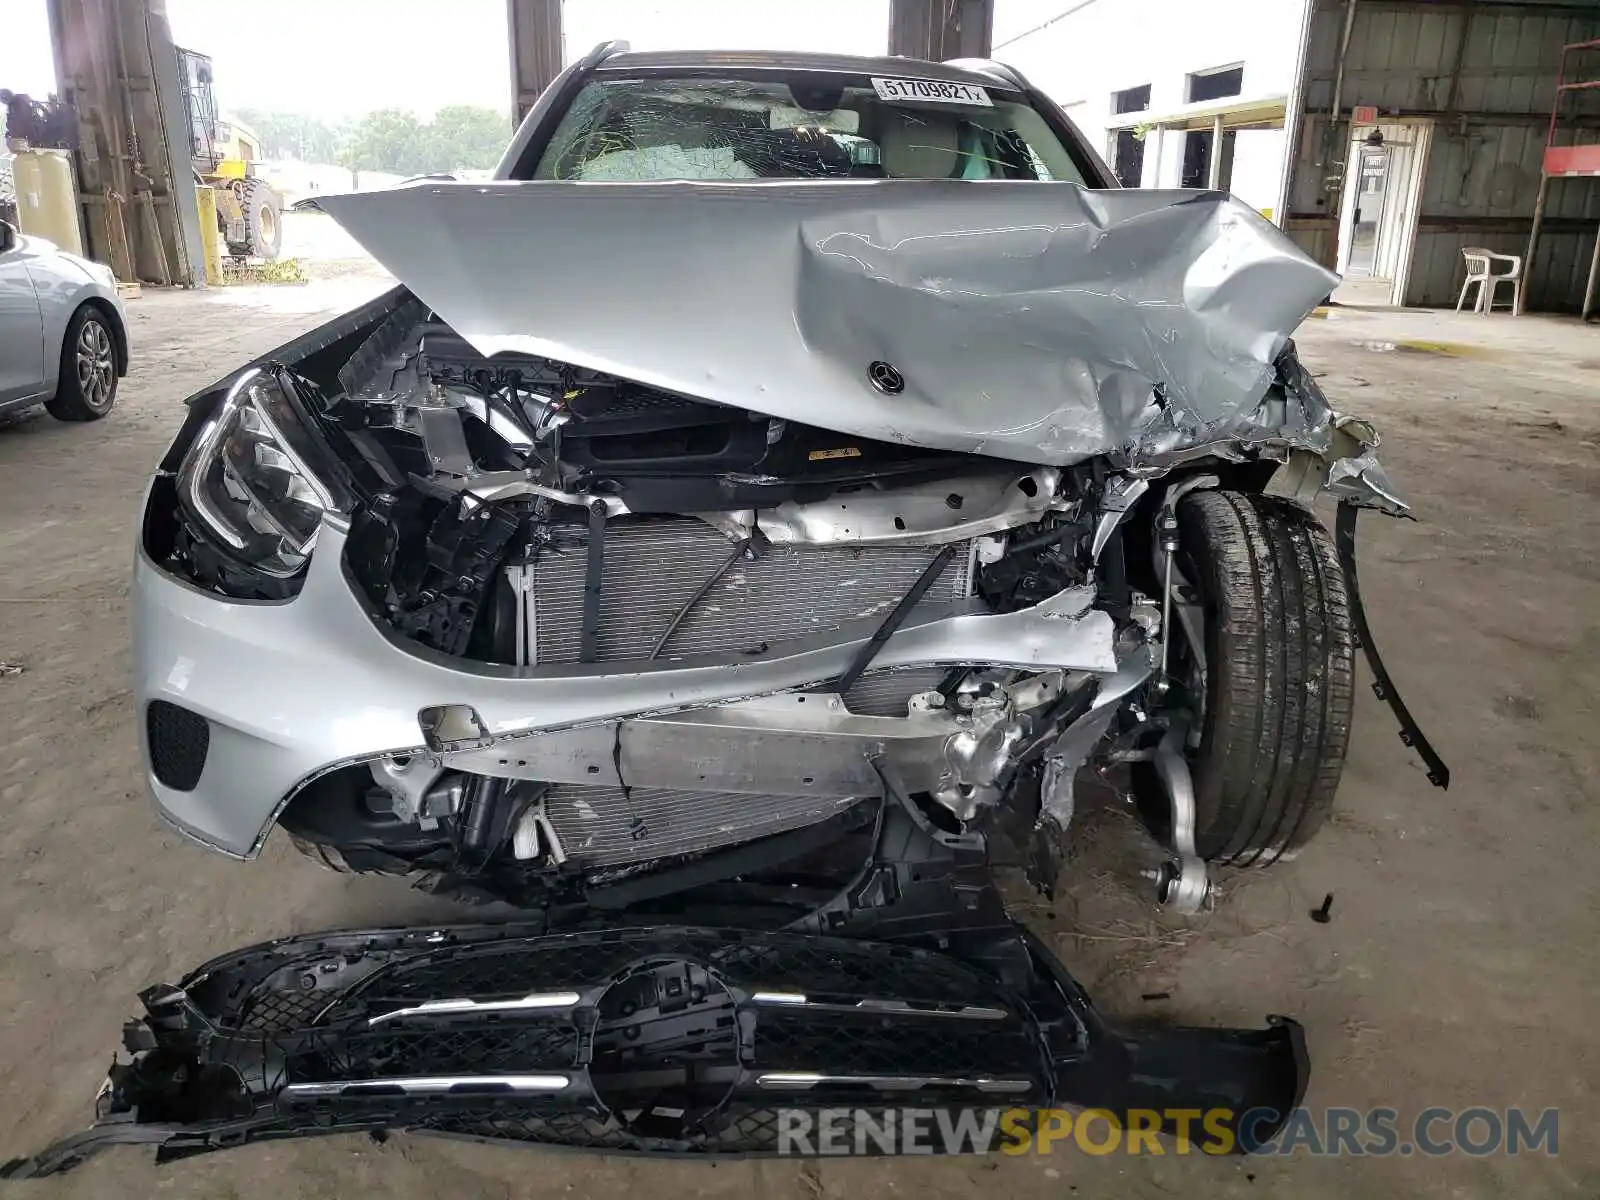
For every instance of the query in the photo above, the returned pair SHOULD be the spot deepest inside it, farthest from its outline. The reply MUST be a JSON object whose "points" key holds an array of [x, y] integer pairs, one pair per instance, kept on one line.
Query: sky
{"points": [[340, 58], [25, 64]]}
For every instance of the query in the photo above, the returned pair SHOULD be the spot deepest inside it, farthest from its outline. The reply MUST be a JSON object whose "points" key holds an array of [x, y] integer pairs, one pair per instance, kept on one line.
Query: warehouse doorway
{"points": [[1381, 202]]}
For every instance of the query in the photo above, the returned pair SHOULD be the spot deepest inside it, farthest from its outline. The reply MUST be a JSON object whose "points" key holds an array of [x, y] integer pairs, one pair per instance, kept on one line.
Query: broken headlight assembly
{"points": [[259, 479]]}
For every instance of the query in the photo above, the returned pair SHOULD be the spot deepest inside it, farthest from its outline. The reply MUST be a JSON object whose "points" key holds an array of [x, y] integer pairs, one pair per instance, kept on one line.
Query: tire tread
{"points": [[1281, 659]]}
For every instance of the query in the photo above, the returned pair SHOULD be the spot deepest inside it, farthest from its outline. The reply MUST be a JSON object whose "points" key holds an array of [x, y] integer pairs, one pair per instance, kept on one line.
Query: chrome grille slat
{"points": [[433, 1085]]}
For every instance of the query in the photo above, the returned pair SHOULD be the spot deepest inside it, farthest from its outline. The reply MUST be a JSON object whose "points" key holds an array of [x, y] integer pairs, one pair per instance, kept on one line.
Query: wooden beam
{"points": [[941, 29], [537, 50]]}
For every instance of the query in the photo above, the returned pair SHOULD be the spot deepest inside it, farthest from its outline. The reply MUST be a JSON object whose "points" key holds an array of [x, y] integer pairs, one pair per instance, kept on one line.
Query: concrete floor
{"points": [[1458, 969]]}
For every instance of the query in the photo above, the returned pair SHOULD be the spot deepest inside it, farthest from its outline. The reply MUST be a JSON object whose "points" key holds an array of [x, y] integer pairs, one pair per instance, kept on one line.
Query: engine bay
{"points": [[486, 477], [518, 511], [422, 406]]}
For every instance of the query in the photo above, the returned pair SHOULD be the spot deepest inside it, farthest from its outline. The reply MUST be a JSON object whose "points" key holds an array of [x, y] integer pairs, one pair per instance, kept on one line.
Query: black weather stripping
{"points": [[748, 549], [894, 620], [1344, 537], [589, 639]]}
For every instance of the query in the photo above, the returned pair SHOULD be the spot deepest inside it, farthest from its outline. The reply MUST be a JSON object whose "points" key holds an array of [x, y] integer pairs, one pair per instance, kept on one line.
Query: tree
{"points": [[391, 139], [459, 136], [294, 135], [386, 140], [467, 135]]}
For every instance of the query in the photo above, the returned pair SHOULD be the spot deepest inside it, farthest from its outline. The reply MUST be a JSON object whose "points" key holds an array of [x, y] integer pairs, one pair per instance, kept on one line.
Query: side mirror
{"points": [[8, 236]]}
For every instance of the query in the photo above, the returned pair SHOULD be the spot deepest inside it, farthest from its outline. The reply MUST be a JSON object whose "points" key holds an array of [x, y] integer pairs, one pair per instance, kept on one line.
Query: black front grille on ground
{"points": [[179, 741], [659, 1039], [644, 1019]]}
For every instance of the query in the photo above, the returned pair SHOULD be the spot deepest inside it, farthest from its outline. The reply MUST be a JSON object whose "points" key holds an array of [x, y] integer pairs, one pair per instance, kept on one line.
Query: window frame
{"points": [[1211, 73], [1090, 166]]}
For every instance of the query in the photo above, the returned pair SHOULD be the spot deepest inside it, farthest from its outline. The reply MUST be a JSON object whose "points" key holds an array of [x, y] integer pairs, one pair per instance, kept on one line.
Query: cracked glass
{"points": [[632, 130]]}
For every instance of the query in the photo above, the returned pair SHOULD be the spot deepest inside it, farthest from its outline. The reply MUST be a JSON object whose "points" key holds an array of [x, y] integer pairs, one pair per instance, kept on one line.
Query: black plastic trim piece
{"points": [[1344, 537], [894, 620], [212, 1056], [179, 741], [593, 581]]}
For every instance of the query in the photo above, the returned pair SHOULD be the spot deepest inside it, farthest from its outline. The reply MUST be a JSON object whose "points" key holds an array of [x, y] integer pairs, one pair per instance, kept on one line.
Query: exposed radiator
{"points": [[598, 826], [654, 565]]}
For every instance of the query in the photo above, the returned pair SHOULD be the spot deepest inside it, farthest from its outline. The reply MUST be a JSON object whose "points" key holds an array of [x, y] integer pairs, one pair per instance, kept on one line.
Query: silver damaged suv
{"points": [[774, 440]]}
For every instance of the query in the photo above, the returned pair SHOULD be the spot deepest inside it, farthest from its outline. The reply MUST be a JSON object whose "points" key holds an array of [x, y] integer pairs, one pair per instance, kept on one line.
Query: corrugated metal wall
{"points": [[1485, 73]]}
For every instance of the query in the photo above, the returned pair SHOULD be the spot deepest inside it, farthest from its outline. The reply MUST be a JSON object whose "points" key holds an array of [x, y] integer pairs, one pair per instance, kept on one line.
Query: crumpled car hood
{"points": [[1041, 322]]}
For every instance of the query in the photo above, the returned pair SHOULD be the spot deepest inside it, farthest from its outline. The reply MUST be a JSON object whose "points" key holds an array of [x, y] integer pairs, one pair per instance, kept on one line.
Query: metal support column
{"points": [[1214, 177], [1579, 160], [941, 29], [1594, 281], [172, 110], [537, 50], [1533, 243]]}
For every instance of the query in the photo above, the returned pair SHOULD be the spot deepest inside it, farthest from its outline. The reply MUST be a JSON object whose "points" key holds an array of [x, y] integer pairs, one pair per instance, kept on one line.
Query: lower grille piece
{"points": [[179, 741], [680, 1040]]}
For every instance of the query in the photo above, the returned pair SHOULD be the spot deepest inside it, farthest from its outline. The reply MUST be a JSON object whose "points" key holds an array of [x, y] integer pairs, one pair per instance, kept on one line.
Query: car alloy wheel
{"points": [[97, 364]]}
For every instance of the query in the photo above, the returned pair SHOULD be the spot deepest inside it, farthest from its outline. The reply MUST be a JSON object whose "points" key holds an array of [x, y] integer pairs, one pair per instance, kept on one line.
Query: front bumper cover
{"points": [[668, 1040], [293, 689]]}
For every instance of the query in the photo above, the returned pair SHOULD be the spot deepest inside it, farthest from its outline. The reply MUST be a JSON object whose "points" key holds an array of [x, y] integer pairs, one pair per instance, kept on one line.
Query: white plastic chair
{"points": [[1481, 271]]}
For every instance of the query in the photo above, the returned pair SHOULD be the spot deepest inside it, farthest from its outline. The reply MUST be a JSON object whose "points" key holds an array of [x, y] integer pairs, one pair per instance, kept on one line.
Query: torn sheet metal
{"points": [[1040, 322], [1324, 450]]}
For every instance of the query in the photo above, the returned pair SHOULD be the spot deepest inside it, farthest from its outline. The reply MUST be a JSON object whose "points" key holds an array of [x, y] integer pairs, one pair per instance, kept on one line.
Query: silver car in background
{"points": [[63, 332]]}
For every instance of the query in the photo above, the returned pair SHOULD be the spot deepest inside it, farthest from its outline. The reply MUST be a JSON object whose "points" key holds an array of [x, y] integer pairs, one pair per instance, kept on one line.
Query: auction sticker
{"points": [[935, 91]]}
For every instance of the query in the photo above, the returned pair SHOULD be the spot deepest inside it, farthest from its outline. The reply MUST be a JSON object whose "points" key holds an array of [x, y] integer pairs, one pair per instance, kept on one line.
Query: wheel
{"points": [[87, 386], [1278, 687], [263, 219]]}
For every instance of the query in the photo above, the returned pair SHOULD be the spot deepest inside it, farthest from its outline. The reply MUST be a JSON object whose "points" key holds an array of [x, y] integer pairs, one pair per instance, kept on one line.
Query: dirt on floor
{"points": [[1458, 968]]}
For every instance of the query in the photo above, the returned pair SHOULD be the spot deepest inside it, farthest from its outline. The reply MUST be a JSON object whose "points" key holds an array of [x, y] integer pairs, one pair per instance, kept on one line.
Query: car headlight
{"points": [[252, 481]]}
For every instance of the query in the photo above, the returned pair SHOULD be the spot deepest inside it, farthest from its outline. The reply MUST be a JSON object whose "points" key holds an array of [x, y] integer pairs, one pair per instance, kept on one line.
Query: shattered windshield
{"points": [[697, 128]]}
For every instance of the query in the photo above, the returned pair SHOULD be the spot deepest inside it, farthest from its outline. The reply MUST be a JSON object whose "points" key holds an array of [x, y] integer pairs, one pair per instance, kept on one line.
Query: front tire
{"points": [[86, 388], [1280, 674], [263, 220]]}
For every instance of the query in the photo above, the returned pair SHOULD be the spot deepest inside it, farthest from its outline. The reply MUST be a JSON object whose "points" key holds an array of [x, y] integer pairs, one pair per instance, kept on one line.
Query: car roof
{"points": [[971, 70]]}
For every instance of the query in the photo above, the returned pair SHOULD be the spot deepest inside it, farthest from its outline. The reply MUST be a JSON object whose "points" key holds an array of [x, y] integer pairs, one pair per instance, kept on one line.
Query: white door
{"points": [[1379, 208]]}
